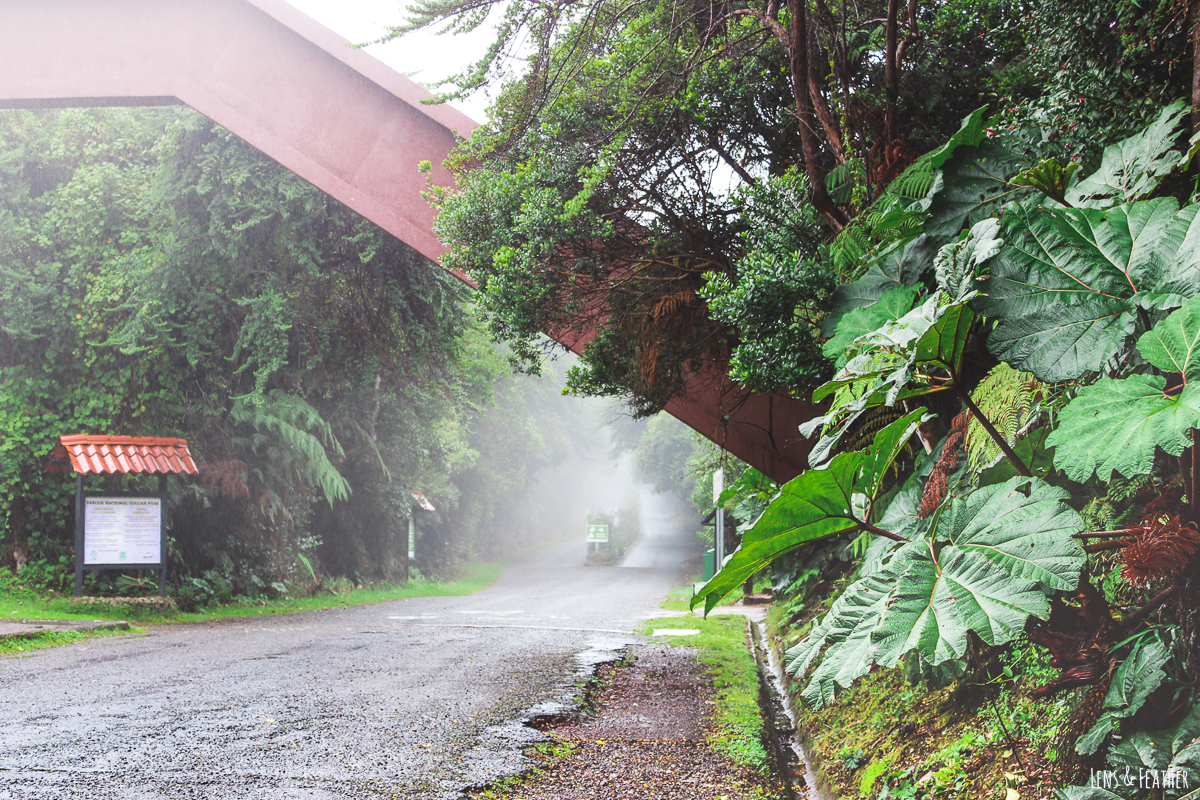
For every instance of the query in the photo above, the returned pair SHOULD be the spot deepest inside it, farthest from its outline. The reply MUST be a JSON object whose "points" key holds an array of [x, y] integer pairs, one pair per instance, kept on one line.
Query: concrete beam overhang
{"points": [[334, 115]]}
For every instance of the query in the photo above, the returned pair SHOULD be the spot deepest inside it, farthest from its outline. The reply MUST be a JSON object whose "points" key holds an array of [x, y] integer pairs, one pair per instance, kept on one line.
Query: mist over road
{"points": [[411, 698]]}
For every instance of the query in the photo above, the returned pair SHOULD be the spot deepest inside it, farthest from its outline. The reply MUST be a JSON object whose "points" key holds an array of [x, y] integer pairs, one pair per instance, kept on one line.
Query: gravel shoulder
{"points": [[646, 739]]}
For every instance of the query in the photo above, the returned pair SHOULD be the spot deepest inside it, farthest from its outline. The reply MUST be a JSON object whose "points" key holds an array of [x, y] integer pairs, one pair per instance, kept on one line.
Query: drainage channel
{"points": [[796, 772]]}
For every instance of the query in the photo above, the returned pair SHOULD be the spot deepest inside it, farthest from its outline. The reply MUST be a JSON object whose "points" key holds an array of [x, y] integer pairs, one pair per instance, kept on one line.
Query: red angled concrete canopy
{"points": [[332, 114], [107, 455]]}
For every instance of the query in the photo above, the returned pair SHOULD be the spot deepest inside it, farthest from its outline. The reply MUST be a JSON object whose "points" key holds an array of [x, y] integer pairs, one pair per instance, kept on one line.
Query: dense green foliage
{"points": [[666, 177], [647, 180], [968, 228], [1080, 289], [159, 277]]}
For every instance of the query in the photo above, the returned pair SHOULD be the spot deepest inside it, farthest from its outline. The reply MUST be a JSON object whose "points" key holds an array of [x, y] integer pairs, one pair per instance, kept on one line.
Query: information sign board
{"points": [[120, 530], [597, 533]]}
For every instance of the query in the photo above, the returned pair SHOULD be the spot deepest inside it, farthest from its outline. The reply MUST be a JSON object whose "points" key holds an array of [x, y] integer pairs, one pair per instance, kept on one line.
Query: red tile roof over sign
{"points": [[420, 501], [121, 454]]}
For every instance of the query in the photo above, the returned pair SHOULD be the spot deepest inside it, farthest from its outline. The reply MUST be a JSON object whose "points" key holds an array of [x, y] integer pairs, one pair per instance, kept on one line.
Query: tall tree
{"points": [[605, 192]]}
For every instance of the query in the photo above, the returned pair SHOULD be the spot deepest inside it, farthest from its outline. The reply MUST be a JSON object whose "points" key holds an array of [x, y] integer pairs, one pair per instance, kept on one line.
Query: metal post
{"points": [[78, 534], [719, 555], [162, 539], [412, 543]]}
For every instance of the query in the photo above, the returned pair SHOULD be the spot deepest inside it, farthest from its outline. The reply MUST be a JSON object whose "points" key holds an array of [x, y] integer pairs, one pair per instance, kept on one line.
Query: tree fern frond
{"points": [[1009, 399], [303, 438], [916, 181]]}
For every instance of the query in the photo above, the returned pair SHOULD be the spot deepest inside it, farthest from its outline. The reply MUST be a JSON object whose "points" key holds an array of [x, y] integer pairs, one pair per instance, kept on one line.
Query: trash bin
{"points": [[710, 557]]}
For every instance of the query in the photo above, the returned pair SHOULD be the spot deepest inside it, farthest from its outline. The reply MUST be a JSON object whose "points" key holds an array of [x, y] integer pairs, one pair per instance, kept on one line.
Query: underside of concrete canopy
{"points": [[332, 114]]}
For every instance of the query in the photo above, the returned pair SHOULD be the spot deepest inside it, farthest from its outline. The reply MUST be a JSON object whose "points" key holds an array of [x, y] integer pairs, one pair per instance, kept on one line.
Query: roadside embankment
{"points": [[894, 734]]}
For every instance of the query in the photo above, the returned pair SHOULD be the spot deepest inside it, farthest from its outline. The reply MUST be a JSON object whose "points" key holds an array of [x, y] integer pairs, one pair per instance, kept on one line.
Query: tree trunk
{"points": [[798, 52], [1195, 20], [891, 74], [833, 132]]}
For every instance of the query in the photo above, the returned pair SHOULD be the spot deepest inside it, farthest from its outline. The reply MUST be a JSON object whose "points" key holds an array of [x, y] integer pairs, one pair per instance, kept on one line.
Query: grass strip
{"points": [[17, 646], [26, 605]]}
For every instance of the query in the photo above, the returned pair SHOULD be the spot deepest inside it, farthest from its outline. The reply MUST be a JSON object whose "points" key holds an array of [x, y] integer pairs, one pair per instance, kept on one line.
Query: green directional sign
{"points": [[597, 533]]}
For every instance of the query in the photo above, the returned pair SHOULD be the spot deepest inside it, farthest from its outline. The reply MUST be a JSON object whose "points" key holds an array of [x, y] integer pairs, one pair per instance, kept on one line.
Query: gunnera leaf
{"points": [[1173, 345], [1133, 168], [957, 263], [1115, 425], [939, 598], [986, 570], [1137, 677], [1023, 525], [902, 264], [846, 630], [1065, 290], [815, 504], [890, 307], [973, 183], [916, 355], [1085, 793]]}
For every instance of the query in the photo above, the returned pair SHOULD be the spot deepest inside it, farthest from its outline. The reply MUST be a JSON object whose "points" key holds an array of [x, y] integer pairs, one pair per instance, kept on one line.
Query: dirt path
{"points": [[645, 742]]}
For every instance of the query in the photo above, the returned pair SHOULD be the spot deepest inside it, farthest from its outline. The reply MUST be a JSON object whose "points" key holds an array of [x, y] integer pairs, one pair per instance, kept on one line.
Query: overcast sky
{"points": [[422, 56]]}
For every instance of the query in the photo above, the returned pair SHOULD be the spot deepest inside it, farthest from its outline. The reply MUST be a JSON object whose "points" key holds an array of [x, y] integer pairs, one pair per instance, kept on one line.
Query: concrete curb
{"points": [[32, 628]]}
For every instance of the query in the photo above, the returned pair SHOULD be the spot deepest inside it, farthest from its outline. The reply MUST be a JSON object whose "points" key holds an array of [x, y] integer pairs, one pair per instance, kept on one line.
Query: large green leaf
{"points": [[888, 241], [890, 307], [1132, 169], [750, 482], [1172, 753], [1065, 290], [971, 131], [815, 504], [956, 265], [1173, 345], [1139, 675], [1085, 793], [939, 598], [1117, 424], [903, 264], [973, 183], [986, 569], [846, 630], [910, 357], [900, 515], [1023, 525], [893, 336], [887, 244]]}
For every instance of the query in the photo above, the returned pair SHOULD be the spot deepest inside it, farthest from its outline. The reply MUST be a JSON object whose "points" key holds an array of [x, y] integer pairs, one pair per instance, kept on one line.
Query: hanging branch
{"points": [[1100, 547], [1132, 619], [1185, 470], [1107, 534]]}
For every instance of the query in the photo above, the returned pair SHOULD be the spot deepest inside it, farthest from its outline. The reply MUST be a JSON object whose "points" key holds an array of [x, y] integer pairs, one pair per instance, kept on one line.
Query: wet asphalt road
{"points": [[414, 698]]}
